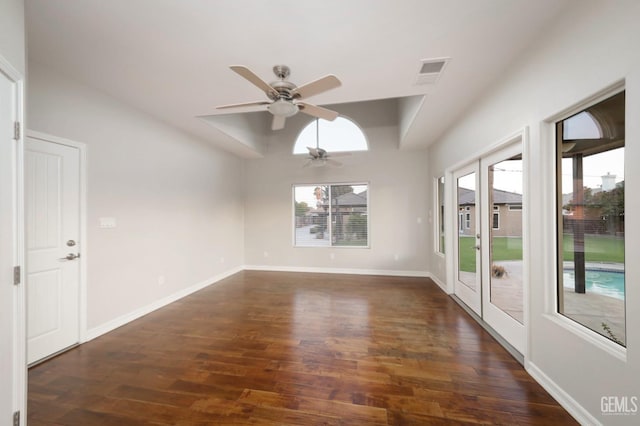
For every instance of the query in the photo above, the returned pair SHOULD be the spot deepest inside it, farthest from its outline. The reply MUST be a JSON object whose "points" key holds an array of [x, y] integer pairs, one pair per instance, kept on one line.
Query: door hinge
{"points": [[17, 275], [16, 418], [16, 130]]}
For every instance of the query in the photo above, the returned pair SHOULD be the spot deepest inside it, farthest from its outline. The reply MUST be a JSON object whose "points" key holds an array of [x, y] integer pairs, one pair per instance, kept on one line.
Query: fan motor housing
{"points": [[283, 88]]}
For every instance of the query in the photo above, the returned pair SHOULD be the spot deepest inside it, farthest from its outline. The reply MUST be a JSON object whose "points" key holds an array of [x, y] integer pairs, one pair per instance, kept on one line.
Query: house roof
{"points": [[351, 199], [468, 197]]}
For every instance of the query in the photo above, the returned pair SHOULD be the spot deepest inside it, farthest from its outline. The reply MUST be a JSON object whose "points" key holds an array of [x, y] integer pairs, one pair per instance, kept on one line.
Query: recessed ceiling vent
{"points": [[430, 70]]}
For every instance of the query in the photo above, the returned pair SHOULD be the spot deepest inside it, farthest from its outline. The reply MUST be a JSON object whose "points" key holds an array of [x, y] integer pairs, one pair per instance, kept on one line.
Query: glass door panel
{"points": [[503, 266], [505, 230], [467, 264], [467, 244]]}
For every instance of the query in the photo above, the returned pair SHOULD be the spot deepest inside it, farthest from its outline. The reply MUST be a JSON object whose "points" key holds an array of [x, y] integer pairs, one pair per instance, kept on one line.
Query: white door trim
{"points": [[82, 149], [19, 380]]}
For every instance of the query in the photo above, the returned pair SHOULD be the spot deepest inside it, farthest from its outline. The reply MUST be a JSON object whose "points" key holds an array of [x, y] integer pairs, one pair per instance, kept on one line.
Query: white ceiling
{"points": [[170, 58]]}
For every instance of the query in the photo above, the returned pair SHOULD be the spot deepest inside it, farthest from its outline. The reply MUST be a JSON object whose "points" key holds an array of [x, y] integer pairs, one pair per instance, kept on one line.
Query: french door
{"points": [[488, 248]]}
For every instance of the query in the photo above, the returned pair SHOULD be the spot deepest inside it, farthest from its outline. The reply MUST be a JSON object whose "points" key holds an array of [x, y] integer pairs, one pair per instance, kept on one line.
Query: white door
{"points": [[52, 214], [488, 247], [503, 277], [466, 245], [11, 372]]}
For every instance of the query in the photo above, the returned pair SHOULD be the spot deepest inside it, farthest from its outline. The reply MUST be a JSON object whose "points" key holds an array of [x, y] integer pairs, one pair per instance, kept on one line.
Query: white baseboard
{"points": [[131, 316], [322, 270], [440, 284], [578, 412]]}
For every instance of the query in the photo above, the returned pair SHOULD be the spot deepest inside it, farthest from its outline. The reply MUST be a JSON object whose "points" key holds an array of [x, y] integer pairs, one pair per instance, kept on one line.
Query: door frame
{"points": [[82, 151], [19, 320], [451, 231]]}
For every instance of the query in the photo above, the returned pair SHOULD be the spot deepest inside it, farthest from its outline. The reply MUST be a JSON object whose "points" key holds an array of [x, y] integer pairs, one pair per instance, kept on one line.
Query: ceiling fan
{"points": [[319, 157], [285, 97]]}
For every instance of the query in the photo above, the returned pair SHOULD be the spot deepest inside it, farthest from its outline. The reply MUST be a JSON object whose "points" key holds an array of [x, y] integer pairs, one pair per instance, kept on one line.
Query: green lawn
{"points": [[598, 249], [503, 249]]}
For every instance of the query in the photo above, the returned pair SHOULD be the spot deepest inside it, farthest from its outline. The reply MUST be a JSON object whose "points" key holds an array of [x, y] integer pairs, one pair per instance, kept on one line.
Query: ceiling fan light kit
{"points": [[283, 108], [285, 97]]}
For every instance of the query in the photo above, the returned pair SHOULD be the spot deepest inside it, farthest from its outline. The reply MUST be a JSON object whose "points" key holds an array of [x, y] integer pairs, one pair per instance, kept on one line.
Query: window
{"points": [[440, 215], [339, 135], [467, 220], [515, 207], [591, 221], [496, 220], [331, 215]]}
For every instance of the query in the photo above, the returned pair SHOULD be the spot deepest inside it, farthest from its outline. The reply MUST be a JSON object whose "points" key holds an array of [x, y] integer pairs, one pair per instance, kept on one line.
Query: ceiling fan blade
{"points": [[243, 104], [308, 163], [278, 122], [332, 163], [315, 87], [316, 111], [313, 152], [254, 79]]}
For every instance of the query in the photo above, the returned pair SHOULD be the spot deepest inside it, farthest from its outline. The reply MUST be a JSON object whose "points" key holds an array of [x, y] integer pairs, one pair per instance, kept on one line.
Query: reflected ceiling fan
{"points": [[319, 157], [285, 97]]}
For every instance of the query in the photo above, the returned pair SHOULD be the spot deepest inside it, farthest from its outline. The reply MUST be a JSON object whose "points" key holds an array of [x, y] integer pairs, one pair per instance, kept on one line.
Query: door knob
{"points": [[70, 256], [71, 243]]}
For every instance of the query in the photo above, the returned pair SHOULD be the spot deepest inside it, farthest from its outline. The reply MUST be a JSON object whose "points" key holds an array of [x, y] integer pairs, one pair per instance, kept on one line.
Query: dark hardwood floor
{"points": [[300, 349]]}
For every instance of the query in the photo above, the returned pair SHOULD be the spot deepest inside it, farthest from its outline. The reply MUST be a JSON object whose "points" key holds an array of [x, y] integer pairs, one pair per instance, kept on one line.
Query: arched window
{"points": [[582, 126], [338, 135]]}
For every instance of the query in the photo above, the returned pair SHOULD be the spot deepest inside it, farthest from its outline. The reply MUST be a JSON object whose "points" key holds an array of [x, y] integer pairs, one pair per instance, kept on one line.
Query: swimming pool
{"points": [[607, 283]]}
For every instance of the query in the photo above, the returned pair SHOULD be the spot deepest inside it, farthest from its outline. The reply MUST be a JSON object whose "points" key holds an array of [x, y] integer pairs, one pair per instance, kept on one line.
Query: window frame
{"points": [[578, 328], [439, 222], [331, 219]]}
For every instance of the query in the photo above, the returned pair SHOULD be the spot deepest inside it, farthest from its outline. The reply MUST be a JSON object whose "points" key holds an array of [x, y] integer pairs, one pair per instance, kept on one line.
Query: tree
{"points": [[301, 208], [357, 225]]}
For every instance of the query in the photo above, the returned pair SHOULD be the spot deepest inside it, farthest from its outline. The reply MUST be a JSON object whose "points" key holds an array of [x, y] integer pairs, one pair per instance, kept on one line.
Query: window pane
{"points": [[349, 215], [591, 265], [505, 286], [338, 135], [311, 204], [331, 215], [466, 187]]}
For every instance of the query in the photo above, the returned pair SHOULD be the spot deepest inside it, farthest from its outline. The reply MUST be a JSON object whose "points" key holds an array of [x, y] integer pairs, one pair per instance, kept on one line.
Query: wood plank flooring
{"points": [[268, 348]]}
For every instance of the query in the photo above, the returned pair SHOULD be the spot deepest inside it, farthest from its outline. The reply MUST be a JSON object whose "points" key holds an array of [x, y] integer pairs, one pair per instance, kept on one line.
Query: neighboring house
{"points": [[506, 215], [350, 203]]}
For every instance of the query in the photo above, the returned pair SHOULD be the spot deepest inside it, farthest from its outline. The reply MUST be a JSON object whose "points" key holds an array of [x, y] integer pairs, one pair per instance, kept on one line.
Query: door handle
{"points": [[70, 256]]}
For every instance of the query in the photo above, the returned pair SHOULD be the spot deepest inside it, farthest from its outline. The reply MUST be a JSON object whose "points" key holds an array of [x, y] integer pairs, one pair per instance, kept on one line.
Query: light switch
{"points": [[107, 222]]}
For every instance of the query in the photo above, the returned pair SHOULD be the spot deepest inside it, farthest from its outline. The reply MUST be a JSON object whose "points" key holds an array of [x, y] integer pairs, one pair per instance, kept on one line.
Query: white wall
{"points": [[177, 201], [397, 198], [586, 51], [12, 33]]}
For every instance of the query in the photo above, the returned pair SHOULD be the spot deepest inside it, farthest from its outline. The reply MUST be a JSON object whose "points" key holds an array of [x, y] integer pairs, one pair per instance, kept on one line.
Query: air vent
{"points": [[430, 70]]}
